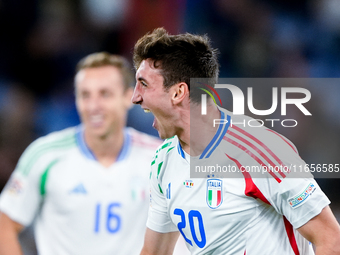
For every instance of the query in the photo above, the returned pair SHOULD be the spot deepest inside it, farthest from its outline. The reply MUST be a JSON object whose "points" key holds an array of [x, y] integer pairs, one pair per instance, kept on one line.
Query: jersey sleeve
{"points": [[158, 217], [298, 199], [20, 199], [296, 194]]}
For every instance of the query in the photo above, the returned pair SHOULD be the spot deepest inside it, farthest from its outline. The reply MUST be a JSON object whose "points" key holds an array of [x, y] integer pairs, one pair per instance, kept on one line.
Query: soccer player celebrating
{"points": [[87, 186], [270, 215]]}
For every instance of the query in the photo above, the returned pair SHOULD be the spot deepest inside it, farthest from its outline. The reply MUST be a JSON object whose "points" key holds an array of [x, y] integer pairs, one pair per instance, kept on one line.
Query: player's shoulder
{"points": [[246, 130], [58, 140], [47, 148], [163, 155], [143, 140], [167, 146], [165, 149]]}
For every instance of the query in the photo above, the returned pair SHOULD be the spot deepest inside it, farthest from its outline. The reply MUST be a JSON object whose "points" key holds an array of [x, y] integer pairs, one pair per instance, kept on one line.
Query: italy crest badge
{"points": [[214, 193]]}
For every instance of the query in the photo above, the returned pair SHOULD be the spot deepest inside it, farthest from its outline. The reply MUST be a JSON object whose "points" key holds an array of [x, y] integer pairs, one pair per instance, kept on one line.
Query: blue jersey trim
{"points": [[126, 146], [180, 150], [214, 138], [222, 129], [86, 151], [82, 144], [225, 129]]}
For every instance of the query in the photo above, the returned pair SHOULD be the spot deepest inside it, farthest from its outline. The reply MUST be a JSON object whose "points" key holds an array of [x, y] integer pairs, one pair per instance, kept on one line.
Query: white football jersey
{"points": [[242, 214], [81, 206]]}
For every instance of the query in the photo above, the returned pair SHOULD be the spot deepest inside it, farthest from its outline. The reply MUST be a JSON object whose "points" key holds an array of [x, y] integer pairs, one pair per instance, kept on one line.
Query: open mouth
{"points": [[154, 124], [96, 120]]}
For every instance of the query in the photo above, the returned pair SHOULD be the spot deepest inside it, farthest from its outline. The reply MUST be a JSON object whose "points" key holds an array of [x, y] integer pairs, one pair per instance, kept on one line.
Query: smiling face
{"points": [[150, 94], [101, 100]]}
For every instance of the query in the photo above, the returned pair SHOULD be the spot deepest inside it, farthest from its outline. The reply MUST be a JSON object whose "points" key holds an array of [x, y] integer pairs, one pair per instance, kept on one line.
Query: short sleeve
{"points": [[298, 199], [296, 194], [20, 199], [158, 217]]}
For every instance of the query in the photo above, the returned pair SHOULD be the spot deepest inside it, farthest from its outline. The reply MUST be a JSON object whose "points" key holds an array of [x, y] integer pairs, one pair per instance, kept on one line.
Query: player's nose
{"points": [[137, 97], [93, 104]]}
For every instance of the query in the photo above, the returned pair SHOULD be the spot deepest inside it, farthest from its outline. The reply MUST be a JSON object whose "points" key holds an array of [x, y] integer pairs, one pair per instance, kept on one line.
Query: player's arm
{"points": [[9, 231], [324, 232], [156, 243]]}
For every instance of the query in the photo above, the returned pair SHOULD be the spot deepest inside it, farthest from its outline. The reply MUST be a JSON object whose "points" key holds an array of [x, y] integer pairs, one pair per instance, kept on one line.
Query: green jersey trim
{"points": [[41, 149], [44, 177], [170, 149], [160, 189], [159, 168]]}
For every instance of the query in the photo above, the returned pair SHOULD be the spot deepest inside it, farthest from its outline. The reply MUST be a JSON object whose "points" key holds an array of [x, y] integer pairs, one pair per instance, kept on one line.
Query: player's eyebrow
{"points": [[141, 79]]}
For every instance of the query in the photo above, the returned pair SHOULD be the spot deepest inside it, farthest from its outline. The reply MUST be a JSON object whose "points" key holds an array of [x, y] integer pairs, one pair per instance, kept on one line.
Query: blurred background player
{"points": [[87, 185]]}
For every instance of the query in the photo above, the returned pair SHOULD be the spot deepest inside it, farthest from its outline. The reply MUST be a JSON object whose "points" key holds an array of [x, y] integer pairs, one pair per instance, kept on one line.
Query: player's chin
{"points": [[163, 134], [99, 131], [160, 133], [163, 131]]}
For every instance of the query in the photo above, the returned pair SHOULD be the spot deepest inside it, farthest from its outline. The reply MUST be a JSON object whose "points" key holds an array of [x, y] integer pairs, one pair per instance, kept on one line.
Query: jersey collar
{"points": [[221, 131], [87, 152]]}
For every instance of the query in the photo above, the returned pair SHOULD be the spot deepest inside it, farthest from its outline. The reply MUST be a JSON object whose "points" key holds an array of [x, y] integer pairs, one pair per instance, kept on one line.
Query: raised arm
{"points": [[324, 232], [9, 231], [159, 243]]}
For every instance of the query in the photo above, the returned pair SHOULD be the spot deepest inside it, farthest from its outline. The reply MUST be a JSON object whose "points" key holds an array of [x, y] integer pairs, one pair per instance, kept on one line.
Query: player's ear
{"points": [[179, 92]]}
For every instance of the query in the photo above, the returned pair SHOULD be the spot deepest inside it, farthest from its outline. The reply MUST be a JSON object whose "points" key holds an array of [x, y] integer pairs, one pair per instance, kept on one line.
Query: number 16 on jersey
{"points": [[111, 219]]}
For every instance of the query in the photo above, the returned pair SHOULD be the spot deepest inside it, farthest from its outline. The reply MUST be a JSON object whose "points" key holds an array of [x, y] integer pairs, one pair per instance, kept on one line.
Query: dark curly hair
{"points": [[179, 58]]}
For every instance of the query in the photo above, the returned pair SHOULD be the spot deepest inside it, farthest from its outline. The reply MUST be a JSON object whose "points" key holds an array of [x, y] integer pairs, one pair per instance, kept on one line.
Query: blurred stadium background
{"points": [[42, 40]]}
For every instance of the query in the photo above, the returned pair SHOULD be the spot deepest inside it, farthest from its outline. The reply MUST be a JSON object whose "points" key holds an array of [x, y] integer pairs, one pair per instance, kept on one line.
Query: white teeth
{"points": [[146, 110], [96, 118]]}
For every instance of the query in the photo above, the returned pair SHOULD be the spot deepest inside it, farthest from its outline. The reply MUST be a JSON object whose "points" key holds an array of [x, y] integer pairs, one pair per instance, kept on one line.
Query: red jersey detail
{"points": [[262, 144], [251, 189], [291, 236], [256, 149], [219, 197], [253, 156], [139, 140]]}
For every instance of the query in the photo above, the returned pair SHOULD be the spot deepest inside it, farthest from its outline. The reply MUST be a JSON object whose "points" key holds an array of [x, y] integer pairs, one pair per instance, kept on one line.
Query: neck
{"points": [[106, 149], [200, 130]]}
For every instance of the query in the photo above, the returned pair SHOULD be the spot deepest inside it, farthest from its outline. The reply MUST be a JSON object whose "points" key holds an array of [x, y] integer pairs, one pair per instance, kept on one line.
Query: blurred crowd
{"points": [[42, 40]]}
